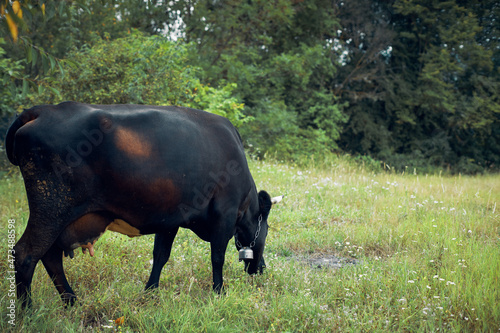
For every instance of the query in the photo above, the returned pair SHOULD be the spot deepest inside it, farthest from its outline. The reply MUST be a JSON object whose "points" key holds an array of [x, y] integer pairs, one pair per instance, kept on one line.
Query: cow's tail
{"points": [[21, 120]]}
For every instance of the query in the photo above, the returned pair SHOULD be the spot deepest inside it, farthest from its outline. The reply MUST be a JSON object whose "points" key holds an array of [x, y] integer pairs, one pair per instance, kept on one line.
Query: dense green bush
{"points": [[10, 96], [139, 69], [11, 93]]}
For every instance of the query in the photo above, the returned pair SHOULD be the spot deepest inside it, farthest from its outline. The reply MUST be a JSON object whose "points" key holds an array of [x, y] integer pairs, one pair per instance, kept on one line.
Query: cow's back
{"points": [[120, 134]]}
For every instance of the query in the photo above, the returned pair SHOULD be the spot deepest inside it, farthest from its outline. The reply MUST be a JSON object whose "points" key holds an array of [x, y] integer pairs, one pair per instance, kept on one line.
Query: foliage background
{"points": [[403, 82]]}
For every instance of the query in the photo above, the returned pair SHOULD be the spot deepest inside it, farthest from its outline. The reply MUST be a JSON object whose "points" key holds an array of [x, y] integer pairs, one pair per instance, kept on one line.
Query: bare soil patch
{"points": [[321, 260]]}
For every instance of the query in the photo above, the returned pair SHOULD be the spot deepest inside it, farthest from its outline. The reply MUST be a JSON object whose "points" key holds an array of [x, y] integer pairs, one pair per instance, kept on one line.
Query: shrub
{"points": [[140, 69]]}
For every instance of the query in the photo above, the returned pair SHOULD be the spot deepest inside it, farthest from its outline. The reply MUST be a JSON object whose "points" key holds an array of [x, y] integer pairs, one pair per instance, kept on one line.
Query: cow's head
{"points": [[257, 240]]}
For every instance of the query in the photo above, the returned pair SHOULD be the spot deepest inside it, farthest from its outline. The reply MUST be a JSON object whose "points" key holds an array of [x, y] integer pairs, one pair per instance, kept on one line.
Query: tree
{"points": [[279, 55], [437, 91], [33, 65], [365, 42], [40, 34]]}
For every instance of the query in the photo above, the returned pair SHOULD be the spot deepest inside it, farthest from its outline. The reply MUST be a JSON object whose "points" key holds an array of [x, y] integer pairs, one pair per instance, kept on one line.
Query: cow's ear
{"points": [[265, 203]]}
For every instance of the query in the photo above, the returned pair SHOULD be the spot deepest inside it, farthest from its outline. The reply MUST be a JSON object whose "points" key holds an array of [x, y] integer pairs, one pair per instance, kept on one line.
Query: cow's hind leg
{"points": [[161, 253], [24, 269], [36, 240], [52, 260]]}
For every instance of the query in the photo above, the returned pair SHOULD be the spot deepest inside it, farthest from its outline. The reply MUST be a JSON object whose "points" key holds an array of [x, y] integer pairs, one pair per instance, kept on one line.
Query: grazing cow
{"points": [[136, 170]]}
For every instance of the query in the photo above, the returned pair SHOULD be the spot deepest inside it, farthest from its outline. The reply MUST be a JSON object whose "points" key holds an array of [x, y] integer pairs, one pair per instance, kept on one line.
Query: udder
{"points": [[83, 233]]}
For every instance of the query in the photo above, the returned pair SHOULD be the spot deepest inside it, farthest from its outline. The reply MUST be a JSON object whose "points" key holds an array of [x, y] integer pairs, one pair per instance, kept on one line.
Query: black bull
{"points": [[136, 170]]}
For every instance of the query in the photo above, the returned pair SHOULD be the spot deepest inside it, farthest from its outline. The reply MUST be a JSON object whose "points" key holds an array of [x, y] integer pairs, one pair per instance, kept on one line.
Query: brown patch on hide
{"points": [[132, 143], [163, 193], [123, 228]]}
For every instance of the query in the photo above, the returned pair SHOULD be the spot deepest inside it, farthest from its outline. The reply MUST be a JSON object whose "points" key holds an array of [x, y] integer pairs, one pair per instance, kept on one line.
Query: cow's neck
{"points": [[248, 225]]}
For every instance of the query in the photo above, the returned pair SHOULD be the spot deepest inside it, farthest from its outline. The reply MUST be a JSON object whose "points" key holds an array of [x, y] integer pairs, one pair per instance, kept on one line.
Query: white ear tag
{"points": [[276, 200]]}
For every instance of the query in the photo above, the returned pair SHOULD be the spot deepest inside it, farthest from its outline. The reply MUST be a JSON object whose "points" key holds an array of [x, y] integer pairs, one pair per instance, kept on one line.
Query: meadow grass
{"points": [[426, 251]]}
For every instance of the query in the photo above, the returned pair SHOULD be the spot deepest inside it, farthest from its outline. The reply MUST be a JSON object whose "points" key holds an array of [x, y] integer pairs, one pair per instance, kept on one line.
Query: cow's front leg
{"points": [[218, 253], [52, 260], [161, 253]]}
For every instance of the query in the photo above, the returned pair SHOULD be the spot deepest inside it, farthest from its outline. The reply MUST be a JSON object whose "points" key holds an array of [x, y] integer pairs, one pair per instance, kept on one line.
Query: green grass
{"points": [[427, 250]]}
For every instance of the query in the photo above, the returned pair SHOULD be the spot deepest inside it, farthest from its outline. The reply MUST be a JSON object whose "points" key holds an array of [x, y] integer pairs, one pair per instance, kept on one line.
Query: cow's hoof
{"points": [[151, 287], [219, 290], [69, 299], [26, 303]]}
